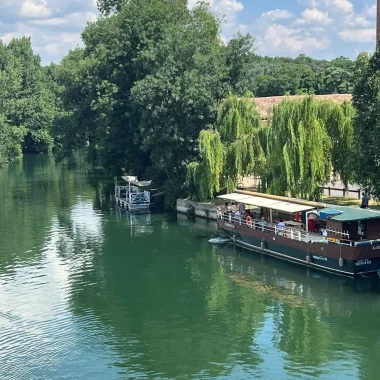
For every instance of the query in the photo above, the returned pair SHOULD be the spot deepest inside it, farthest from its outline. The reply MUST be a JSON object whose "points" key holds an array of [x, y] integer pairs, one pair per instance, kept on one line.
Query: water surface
{"points": [[89, 292]]}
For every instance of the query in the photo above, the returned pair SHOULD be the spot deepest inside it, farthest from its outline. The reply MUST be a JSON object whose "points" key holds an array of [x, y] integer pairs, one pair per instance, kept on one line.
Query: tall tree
{"points": [[367, 123], [299, 154], [230, 152]]}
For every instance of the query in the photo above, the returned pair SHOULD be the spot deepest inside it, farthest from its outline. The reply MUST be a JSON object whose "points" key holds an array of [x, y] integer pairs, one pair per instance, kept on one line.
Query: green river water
{"points": [[87, 292]]}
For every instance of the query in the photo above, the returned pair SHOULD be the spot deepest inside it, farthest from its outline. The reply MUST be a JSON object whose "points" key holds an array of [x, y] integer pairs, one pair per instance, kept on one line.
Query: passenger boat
{"points": [[347, 241], [132, 196]]}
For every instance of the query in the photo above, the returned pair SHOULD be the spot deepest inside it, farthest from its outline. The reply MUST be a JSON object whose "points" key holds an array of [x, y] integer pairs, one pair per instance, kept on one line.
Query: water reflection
{"points": [[138, 224], [318, 319], [90, 291]]}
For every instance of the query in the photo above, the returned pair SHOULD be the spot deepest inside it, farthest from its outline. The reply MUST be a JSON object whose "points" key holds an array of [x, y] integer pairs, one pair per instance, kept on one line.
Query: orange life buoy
{"points": [[248, 221]]}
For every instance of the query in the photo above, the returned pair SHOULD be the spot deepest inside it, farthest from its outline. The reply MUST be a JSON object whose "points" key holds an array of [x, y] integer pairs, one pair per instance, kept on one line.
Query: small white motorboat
{"points": [[219, 240]]}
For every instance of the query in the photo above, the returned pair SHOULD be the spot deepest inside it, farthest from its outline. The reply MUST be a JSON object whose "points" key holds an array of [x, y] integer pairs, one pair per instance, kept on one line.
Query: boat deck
{"points": [[292, 230]]}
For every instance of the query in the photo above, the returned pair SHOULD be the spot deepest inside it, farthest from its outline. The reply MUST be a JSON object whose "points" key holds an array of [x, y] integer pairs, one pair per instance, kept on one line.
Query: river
{"points": [[88, 292]]}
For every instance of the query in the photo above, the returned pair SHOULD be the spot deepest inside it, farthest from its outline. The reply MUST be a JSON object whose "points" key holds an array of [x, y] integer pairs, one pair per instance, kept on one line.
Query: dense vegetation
{"points": [[149, 94], [306, 142], [366, 97], [27, 102]]}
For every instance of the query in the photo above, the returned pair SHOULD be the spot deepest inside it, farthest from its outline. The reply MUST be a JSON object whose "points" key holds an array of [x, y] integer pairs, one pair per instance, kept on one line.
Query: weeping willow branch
{"points": [[233, 151], [307, 140], [203, 178]]}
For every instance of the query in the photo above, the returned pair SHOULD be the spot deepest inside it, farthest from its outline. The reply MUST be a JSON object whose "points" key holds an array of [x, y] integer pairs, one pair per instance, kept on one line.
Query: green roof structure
{"points": [[349, 214]]}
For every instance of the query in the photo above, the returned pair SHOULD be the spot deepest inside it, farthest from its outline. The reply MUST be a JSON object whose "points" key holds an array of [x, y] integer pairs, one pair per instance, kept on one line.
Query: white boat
{"points": [[219, 240], [132, 196]]}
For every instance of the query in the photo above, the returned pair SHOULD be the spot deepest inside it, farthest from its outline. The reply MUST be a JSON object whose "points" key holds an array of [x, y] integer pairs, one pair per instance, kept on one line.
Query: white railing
{"points": [[134, 197], [290, 233], [142, 197]]}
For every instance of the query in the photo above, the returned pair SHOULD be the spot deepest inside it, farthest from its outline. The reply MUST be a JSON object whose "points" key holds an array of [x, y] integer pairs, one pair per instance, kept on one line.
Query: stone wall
{"points": [[203, 210]]}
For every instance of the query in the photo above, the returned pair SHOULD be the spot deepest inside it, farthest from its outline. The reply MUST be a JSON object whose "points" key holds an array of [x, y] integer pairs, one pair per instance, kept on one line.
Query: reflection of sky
{"points": [[39, 334], [86, 219]]}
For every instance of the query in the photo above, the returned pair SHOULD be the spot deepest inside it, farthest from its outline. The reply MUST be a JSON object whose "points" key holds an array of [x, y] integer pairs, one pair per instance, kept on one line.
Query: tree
{"points": [[108, 6], [299, 153], [234, 150], [366, 123], [179, 98], [338, 122], [238, 52], [27, 105]]}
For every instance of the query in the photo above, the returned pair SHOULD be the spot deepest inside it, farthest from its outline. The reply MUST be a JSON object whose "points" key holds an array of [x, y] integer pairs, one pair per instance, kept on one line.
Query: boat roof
{"points": [[298, 201], [349, 214], [272, 204], [134, 181]]}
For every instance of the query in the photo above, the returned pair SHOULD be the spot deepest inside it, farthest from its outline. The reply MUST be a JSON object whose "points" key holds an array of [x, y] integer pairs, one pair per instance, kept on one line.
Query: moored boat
{"points": [[132, 196], [339, 239]]}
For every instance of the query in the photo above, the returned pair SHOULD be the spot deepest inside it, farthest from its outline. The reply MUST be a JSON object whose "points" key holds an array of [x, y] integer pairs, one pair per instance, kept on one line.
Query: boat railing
{"points": [[141, 197], [135, 196], [287, 232]]}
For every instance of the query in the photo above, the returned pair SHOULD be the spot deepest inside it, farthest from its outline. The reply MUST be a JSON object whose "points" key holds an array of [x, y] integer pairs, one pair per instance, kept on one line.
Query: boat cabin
{"points": [[272, 209], [351, 223]]}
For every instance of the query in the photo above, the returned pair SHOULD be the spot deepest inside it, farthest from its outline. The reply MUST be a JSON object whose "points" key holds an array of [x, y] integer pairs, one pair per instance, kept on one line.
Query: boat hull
{"points": [[343, 260]]}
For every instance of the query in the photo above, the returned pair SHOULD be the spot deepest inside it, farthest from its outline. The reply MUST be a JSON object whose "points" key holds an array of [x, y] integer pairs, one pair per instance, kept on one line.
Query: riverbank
{"points": [[200, 209]]}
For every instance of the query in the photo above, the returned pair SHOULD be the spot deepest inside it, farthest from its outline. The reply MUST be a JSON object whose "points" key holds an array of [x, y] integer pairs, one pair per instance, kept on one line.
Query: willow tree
{"points": [[203, 178], [338, 121], [299, 150], [230, 152]]}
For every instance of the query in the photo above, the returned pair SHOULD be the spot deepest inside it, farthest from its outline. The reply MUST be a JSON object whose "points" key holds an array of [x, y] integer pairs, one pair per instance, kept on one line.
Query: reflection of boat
{"points": [[275, 279], [132, 197], [349, 245], [139, 223]]}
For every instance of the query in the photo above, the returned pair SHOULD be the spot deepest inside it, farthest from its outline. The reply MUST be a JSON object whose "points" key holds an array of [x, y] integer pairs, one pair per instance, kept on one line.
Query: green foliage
{"points": [[142, 97], [109, 6], [204, 178], [266, 76], [366, 97], [27, 105], [299, 153], [229, 153], [338, 121], [146, 83]]}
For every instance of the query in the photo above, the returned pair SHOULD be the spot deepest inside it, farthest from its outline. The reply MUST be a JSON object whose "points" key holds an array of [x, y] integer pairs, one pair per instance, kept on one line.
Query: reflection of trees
{"points": [[168, 295], [319, 320], [304, 336], [33, 190]]}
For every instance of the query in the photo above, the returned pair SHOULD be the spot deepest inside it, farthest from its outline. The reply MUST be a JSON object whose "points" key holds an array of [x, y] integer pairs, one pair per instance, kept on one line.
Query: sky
{"points": [[319, 28]]}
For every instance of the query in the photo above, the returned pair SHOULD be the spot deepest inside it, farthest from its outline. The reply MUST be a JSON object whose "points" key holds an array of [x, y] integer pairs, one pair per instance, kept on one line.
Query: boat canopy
{"points": [[134, 181], [348, 214], [271, 204]]}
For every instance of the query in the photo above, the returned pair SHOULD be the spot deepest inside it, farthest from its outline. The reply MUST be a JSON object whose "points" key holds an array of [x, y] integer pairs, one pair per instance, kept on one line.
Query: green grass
{"points": [[342, 201]]}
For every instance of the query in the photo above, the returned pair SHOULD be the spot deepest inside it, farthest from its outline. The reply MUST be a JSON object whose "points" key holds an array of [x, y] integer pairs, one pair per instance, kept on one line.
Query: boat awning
{"points": [[271, 204], [133, 181]]}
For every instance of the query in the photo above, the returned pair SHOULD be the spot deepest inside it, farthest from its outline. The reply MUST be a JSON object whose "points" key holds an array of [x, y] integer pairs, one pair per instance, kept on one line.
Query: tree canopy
{"points": [[229, 152], [155, 92], [366, 122], [27, 104]]}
